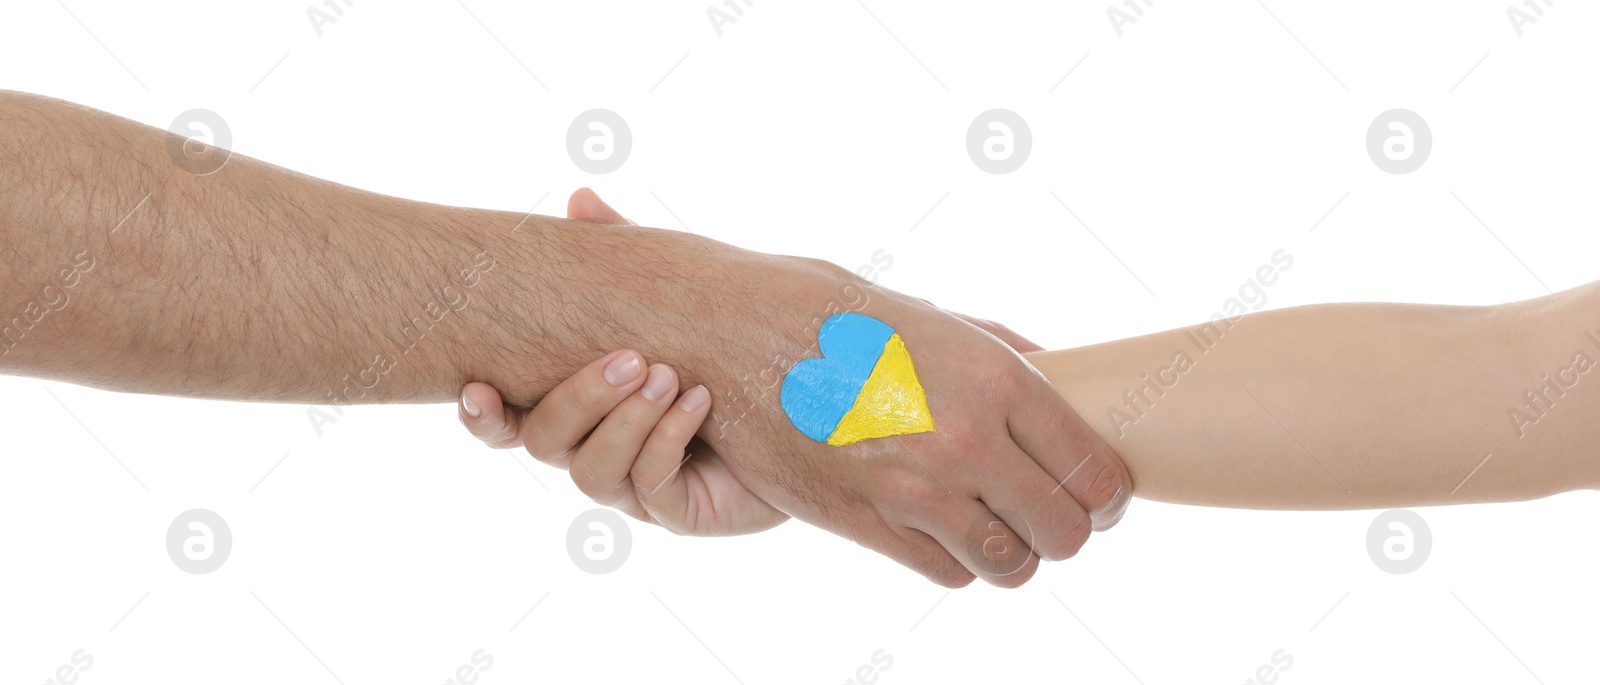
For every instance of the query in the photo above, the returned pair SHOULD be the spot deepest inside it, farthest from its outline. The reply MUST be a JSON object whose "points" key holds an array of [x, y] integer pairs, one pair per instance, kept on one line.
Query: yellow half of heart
{"points": [[891, 403]]}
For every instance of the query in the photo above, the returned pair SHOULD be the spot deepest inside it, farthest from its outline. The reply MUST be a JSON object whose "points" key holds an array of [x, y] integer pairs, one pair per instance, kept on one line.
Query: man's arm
{"points": [[124, 271], [1347, 406]]}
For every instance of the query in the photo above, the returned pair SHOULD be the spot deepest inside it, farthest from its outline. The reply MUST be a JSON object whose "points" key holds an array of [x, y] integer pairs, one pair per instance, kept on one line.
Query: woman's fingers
{"points": [[558, 424], [488, 419], [586, 205], [601, 466], [658, 477]]}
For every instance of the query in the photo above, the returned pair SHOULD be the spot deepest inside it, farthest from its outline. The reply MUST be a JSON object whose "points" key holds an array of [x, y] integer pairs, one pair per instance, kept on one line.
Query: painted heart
{"points": [[863, 386]]}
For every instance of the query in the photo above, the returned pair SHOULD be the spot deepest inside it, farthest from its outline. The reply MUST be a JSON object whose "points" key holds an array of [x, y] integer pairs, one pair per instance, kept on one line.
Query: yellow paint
{"points": [[891, 403]]}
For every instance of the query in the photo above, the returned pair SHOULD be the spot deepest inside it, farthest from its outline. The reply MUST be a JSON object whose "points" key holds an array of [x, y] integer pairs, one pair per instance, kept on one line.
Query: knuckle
{"points": [[1103, 486], [1067, 541], [643, 475], [537, 442], [545, 446], [908, 483], [585, 479], [593, 398], [649, 475], [548, 454], [675, 432], [498, 437], [998, 551], [502, 439], [646, 474], [1004, 380], [544, 456], [627, 422], [922, 554], [962, 439], [951, 575], [956, 580], [1065, 528], [593, 486], [1017, 578], [829, 269]]}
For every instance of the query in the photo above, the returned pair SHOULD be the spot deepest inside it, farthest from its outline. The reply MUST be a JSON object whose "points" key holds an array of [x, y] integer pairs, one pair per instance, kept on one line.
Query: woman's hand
{"points": [[623, 430]]}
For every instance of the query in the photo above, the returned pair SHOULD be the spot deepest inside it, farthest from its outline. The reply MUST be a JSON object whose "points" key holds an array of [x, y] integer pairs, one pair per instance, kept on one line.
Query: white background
{"points": [[1193, 146]]}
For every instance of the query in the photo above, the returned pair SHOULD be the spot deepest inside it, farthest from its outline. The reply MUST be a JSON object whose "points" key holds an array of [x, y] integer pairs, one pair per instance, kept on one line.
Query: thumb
{"points": [[482, 412]]}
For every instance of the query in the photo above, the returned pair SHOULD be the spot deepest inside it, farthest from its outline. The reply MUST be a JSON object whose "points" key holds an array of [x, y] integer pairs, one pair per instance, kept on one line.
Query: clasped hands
{"points": [[1012, 475]]}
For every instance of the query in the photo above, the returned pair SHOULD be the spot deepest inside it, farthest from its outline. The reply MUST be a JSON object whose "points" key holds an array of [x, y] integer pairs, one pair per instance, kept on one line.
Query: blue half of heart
{"points": [[818, 392]]}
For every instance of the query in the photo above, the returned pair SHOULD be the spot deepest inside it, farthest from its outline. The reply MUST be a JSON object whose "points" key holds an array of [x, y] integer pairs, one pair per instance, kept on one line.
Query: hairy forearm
{"points": [[121, 270], [1351, 405]]}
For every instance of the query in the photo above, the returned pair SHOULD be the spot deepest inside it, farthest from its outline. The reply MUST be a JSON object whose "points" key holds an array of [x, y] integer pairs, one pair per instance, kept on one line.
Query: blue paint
{"points": [[819, 391]]}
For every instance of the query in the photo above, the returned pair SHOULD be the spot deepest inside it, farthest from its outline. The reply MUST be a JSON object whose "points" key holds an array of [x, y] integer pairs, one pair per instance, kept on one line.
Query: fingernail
{"points": [[623, 369], [657, 384], [693, 400], [472, 409]]}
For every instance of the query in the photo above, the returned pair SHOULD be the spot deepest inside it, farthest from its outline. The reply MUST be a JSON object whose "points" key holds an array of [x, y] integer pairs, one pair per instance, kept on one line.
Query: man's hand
{"points": [[1011, 472], [1011, 469]]}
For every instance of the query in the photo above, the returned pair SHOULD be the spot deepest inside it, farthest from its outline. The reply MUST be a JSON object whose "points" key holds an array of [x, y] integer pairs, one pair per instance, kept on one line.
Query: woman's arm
{"points": [[1348, 406], [1336, 406]]}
